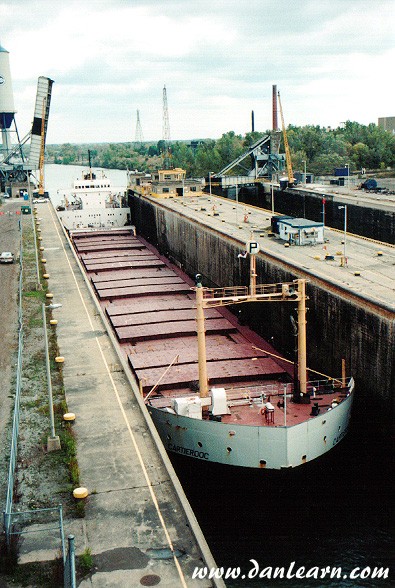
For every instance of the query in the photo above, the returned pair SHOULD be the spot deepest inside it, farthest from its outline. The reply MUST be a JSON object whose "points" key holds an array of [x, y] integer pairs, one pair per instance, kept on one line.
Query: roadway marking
{"points": [[134, 442]]}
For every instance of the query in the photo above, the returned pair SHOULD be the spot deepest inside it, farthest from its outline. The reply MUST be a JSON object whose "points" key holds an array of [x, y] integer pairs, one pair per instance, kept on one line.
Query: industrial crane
{"points": [[41, 191], [291, 178]]}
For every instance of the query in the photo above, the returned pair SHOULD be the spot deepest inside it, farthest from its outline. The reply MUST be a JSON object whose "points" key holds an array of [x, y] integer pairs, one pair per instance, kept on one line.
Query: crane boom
{"points": [[41, 191], [291, 178]]}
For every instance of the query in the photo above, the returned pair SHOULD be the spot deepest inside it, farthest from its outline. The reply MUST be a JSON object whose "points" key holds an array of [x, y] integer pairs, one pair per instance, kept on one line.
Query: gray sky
{"points": [[332, 60]]}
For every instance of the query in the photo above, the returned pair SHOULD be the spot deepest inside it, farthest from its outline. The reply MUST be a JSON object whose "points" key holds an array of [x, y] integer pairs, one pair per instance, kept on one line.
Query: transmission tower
{"points": [[166, 133], [139, 132]]}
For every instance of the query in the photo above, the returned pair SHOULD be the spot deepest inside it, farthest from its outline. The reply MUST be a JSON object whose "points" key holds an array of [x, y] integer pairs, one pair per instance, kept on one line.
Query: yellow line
{"points": [[140, 458]]}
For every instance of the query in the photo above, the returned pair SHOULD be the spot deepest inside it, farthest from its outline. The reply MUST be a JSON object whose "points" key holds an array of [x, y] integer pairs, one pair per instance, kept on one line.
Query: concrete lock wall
{"points": [[365, 220], [339, 325]]}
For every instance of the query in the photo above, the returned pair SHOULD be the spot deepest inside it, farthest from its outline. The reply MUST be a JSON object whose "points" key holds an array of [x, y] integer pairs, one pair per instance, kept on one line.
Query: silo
{"points": [[7, 110]]}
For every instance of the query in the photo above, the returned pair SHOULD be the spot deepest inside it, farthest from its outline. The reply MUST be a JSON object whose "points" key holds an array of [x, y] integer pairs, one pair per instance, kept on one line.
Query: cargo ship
{"points": [[216, 391]]}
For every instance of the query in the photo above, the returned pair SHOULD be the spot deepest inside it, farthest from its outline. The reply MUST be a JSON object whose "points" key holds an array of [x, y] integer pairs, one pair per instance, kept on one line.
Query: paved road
{"points": [[9, 276]]}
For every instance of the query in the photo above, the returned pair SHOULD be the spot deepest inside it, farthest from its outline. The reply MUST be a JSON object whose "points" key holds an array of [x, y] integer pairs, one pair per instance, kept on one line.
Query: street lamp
{"points": [[209, 181], [345, 234], [237, 204], [348, 175], [272, 186], [53, 441], [305, 173]]}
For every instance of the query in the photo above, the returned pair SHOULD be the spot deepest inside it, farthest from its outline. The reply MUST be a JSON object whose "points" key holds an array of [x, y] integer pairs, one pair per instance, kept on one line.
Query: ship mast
{"points": [[302, 361], [90, 164], [201, 334], [284, 292]]}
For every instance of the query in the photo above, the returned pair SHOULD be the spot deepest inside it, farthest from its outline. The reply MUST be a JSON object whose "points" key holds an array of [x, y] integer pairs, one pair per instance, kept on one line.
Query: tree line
{"points": [[359, 146]]}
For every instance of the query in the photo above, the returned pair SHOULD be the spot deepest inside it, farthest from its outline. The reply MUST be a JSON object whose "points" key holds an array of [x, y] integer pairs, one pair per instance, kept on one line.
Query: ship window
{"points": [[323, 422], [325, 439], [200, 444], [228, 449], [262, 461], [304, 458]]}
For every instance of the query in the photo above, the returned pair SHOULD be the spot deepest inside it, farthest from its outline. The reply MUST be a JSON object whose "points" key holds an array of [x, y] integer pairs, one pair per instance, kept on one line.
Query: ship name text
{"points": [[339, 437], [188, 451]]}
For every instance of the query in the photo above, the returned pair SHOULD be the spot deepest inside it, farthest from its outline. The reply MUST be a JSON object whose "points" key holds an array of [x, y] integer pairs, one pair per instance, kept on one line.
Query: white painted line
{"points": [[134, 442]]}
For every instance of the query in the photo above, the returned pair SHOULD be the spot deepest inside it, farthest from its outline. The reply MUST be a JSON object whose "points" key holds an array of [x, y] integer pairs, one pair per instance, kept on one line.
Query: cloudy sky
{"points": [[332, 60]]}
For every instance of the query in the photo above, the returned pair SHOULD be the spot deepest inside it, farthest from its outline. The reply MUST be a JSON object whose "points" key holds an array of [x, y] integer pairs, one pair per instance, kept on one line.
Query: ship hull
{"points": [[151, 309], [276, 447]]}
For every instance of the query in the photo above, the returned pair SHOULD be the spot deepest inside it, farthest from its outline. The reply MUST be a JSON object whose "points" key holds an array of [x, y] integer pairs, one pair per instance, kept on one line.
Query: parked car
{"points": [[40, 200], [7, 257]]}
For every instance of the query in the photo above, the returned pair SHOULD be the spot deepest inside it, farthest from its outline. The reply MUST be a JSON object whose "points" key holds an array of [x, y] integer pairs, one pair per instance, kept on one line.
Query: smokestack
{"points": [[252, 121], [274, 101]]}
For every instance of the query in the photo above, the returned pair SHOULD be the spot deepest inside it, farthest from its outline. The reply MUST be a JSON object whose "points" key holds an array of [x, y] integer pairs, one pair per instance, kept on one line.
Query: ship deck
{"points": [[150, 306]]}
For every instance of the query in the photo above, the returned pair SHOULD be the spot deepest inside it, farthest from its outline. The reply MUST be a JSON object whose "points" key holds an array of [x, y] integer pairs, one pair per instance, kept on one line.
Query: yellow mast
{"points": [[286, 292], [201, 334], [302, 363]]}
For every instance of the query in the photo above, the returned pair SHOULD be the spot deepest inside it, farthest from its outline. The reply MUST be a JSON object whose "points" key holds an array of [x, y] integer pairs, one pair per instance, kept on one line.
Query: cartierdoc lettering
{"points": [[188, 451]]}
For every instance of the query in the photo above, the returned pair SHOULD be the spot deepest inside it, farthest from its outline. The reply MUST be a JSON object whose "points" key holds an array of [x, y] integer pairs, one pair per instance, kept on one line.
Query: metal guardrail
{"points": [[18, 516], [69, 565], [10, 516], [15, 422]]}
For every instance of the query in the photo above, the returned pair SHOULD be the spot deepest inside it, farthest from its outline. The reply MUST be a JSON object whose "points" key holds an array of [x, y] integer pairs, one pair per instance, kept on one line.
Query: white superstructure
{"points": [[93, 202]]}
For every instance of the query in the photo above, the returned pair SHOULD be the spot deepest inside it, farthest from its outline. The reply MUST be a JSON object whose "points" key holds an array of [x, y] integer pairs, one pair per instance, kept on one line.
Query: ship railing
{"points": [[260, 290], [328, 385], [314, 388], [228, 292]]}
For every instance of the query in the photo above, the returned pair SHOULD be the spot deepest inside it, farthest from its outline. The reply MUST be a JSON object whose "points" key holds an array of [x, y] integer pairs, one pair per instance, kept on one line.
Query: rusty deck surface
{"points": [[150, 305], [125, 264]]}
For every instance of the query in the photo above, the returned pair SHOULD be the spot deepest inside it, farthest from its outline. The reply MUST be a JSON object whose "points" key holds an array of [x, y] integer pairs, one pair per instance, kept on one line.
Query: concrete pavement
{"points": [[138, 524]]}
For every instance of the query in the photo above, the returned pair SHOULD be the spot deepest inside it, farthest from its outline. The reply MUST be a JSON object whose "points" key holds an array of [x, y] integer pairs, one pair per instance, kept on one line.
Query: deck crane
{"points": [[291, 179]]}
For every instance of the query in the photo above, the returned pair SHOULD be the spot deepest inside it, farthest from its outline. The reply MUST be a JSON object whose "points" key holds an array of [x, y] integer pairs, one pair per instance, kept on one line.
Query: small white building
{"points": [[300, 231]]}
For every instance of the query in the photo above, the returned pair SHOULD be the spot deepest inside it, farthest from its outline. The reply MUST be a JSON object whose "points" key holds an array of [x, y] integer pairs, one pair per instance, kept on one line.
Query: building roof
{"points": [[300, 223]]}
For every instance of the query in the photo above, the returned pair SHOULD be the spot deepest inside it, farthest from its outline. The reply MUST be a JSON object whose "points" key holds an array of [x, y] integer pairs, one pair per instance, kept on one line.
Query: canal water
{"points": [[336, 513]]}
